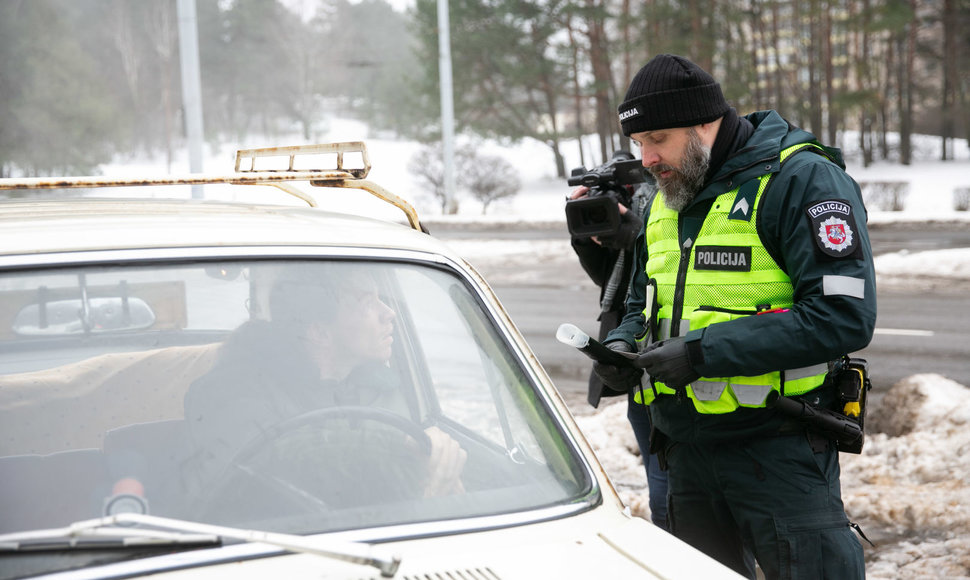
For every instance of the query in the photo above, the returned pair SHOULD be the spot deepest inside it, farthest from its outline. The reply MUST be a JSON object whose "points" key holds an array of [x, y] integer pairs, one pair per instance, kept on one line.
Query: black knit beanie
{"points": [[670, 91]]}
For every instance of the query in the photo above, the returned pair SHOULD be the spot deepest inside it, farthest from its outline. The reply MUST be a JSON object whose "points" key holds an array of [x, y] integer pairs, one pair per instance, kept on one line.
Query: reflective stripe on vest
{"points": [[729, 275]]}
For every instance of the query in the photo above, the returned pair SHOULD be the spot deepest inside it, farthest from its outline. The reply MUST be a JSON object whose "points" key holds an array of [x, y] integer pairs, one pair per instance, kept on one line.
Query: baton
{"points": [[843, 429]]}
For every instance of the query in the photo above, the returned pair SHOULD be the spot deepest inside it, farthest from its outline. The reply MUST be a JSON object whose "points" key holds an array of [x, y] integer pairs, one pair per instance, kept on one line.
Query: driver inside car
{"points": [[327, 345]]}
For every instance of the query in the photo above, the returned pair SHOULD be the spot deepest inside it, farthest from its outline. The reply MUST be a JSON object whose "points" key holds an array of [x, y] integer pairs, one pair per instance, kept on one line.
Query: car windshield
{"points": [[299, 396]]}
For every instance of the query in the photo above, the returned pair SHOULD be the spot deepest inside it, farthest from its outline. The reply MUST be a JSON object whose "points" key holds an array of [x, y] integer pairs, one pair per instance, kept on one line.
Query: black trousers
{"points": [[775, 499]]}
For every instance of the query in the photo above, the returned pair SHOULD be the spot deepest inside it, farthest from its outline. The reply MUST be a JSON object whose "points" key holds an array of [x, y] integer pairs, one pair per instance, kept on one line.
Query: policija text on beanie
{"points": [[670, 91]]}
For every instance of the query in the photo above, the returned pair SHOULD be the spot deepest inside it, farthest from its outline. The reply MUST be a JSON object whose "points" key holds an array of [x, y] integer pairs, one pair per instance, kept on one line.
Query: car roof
{"points": [[57, 224], [79, 224]]}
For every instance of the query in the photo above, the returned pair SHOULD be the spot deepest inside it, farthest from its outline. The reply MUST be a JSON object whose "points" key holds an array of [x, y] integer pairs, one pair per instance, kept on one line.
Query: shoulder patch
{"points": [[834, 227], [743, 206]]}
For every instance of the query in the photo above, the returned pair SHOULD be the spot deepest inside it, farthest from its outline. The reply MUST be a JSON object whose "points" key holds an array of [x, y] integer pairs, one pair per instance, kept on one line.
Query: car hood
{"points": [[601, 544]]}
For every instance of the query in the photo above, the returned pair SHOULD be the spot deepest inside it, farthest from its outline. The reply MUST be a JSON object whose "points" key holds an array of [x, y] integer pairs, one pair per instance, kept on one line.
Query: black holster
{"points": [[844, 425], [659, 443]]}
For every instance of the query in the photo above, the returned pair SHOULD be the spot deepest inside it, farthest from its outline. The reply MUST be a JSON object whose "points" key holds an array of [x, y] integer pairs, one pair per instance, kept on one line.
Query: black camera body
{"points": [[597, 213]]}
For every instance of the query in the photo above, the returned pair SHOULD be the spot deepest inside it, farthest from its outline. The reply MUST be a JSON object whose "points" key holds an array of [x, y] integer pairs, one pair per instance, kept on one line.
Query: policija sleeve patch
{"points": [[834, 227]]}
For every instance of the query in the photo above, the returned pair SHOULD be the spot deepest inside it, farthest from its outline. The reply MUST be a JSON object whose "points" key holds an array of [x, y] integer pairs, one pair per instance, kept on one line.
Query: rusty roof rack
{"points": [[338, 176]]}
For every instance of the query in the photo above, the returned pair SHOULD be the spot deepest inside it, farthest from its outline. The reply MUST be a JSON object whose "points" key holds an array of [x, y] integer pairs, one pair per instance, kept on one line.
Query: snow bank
{"points": [[914, 481], [923, 269]]}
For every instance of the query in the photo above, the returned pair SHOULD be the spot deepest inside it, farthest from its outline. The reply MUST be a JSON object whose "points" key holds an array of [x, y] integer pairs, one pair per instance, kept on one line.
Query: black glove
{"points": [[618, 378], [626, 233], [670, 362]]}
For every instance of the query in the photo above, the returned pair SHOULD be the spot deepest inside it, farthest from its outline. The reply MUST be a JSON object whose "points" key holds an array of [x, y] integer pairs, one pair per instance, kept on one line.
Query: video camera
{"points": [[597, 213]]}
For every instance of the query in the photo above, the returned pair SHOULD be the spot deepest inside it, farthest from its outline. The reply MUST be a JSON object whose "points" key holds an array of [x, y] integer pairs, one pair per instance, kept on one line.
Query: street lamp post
{"points": [[447, 105]]}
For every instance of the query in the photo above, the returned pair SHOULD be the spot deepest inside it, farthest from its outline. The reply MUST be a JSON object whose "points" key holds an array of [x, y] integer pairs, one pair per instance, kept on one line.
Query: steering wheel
{"points": [[284, 484], [321, 416]]}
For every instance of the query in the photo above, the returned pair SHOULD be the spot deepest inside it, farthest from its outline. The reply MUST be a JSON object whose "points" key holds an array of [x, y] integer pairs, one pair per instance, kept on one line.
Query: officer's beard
{"points": [[680, 188]]}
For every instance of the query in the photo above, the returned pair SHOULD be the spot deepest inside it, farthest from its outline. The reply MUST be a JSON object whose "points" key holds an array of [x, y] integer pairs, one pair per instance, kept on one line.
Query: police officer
{"points": [[608, 261], [754, 277]]}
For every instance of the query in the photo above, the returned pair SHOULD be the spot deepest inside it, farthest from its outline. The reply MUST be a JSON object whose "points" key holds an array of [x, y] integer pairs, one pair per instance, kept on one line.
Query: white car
{"points": [[201, 389]]}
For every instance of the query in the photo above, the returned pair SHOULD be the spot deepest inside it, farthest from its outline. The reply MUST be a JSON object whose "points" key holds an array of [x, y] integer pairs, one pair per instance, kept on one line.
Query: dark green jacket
{"points": [[819, 327]]}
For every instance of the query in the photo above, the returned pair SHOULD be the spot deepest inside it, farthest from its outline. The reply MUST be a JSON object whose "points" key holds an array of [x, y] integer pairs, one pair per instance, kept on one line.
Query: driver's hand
{"points": [[445, 465]]}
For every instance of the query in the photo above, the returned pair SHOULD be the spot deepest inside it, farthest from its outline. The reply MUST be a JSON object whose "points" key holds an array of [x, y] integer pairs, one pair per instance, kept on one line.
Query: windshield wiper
{"points": [[82, 536], [116, 531]]}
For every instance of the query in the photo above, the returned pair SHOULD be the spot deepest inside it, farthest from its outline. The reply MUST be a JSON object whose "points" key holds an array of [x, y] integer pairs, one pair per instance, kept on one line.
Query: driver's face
{"points": [[359, 328], [364, 326]]}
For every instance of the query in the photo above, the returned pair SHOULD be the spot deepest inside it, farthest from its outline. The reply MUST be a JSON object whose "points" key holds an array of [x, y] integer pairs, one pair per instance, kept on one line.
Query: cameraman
{"points": [[608, 261]]}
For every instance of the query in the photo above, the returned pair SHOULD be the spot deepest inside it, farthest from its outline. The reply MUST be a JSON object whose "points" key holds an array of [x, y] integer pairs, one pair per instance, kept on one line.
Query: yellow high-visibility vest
{"points": [[729, 274]]}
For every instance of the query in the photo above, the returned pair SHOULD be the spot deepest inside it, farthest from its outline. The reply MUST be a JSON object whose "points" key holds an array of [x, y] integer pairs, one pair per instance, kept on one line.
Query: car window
{"points": [[471, 368], [291, 395]]}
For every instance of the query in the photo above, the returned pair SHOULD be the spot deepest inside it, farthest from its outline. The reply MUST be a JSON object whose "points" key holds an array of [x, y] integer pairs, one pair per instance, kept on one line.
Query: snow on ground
{"points": [[909, 489], [911, 483], [919, 269]]}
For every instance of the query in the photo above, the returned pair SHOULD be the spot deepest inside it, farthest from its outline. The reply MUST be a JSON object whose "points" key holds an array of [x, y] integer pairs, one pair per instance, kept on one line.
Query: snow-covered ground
{"points": [[909, 489]]}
